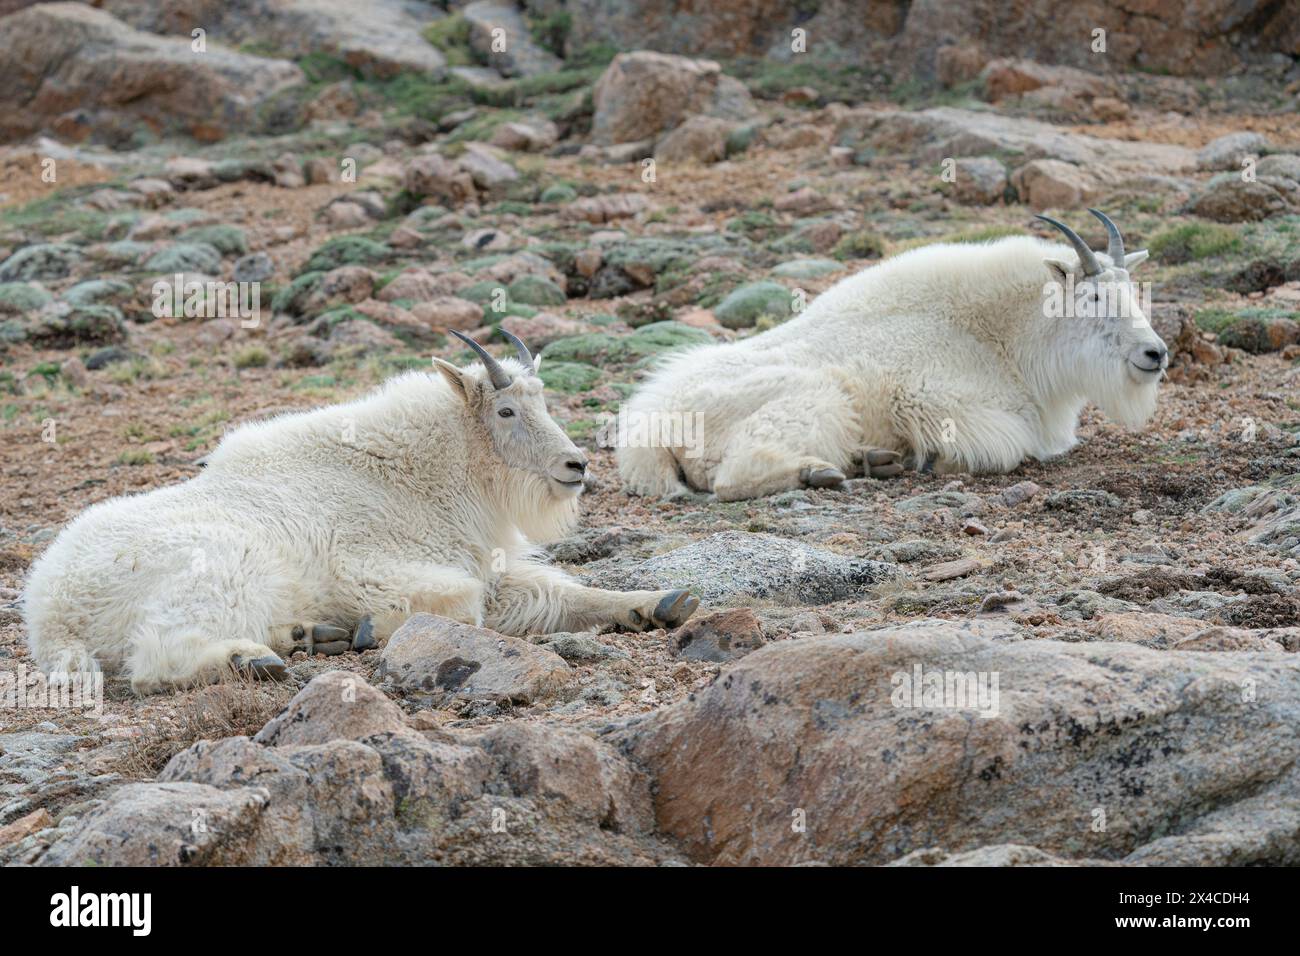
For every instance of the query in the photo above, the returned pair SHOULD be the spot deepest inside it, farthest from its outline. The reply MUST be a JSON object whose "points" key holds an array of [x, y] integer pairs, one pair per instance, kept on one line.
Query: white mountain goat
{"points": [[326, 529], [956, 357]]}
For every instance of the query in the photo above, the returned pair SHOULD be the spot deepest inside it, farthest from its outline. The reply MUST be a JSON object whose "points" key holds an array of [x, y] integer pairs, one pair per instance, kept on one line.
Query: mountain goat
{"points": [[957, 357], [325, 530]]}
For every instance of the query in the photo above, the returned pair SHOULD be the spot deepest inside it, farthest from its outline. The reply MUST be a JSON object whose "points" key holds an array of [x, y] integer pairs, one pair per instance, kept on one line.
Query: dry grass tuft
{"points": [[234, 708]]}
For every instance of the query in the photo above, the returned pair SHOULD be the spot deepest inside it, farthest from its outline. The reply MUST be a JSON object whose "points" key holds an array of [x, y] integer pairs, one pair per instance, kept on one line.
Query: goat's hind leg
{"points": [[790, 442]]}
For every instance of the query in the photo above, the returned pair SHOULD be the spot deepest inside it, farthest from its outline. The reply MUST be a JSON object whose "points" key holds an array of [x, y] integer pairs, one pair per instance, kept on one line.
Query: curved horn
{"points": [[500, 379], [1116, 248], [1091, 266], [525, 357]]}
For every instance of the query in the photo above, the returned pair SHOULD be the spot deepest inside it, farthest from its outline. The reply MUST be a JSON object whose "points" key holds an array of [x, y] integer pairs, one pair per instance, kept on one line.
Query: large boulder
{"points": [[1053, 184], [349, 792], [719, 28], [78, 72], [742, 565], [384, 42], [445, 659], [1228, 152], [844, 749], [1161, 36], [644, 94], [518, 55], [700, 139], [1229, 198], [936, 134]]}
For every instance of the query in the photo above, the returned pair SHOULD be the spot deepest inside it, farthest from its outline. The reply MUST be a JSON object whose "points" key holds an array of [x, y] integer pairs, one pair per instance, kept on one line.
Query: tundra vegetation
{"points": [[1094, 524]]}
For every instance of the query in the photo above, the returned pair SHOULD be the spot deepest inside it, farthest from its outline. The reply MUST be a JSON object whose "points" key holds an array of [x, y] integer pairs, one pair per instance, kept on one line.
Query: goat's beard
{"points": [[536, 509], [1127, 402]]}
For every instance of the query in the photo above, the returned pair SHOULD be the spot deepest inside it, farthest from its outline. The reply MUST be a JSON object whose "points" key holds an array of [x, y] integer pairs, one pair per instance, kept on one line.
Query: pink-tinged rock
{"points": [[446, 659], [601, 209], [448, 312], [337, 705], [542, 329]]}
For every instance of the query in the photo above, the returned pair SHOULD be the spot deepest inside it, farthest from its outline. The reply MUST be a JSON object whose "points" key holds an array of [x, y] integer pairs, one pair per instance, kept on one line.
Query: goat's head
{"points": [[1100, 322], [509, 405]]}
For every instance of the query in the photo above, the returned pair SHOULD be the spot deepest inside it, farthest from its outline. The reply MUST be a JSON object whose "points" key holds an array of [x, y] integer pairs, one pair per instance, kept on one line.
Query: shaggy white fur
{"points": [[945, 355], [423, 496]]}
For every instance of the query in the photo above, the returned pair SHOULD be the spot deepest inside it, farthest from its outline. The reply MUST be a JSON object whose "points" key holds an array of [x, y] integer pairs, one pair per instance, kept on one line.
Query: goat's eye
{"points": [[506, 412]]}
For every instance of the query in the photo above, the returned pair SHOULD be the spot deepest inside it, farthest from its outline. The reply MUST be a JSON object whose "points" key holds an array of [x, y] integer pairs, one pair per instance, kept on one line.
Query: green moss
{"points": [[292, 298], [558, 193], [346, 251], [569, 377], [1250, 329], [323, 68], [451, 36], [1214, 319], [226, 239], [770, 79], [552, 30], [755, 224], [482, 126], [136, 456], [598, 347], [744, 305], [185, 257], [863, 244], [741, 138], [535, 290], [252, 356], [96, 291], [1193, 241], [492, 296], [22, 297]]}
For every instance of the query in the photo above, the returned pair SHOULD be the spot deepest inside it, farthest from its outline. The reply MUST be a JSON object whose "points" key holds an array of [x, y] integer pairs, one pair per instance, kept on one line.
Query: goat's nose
{"points": [[1157, 356], [577, 464]]}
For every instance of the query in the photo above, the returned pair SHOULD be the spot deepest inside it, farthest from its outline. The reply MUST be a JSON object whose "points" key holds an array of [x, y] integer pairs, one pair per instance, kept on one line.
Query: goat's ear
{"points": [[458, 380], [1059, 270], [1135, 258], [537, 363]]}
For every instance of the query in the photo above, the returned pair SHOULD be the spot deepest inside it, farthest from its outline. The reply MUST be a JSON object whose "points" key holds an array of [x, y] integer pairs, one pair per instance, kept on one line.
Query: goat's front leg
{"points": [[389, 591], [536, 599]]}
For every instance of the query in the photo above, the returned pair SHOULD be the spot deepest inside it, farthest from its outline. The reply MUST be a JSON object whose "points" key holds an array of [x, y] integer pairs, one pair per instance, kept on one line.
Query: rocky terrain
{"points": [[611, 181]]}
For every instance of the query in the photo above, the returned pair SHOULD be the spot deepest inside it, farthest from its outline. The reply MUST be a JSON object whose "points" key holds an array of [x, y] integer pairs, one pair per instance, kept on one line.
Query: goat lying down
{"points": [[326, 529], [947, 357]]}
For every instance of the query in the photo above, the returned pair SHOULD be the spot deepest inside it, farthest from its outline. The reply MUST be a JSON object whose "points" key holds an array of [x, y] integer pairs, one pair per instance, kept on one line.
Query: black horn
{"points": [[1087, 258], [500, 379], [525, 357], [1116, 247]]}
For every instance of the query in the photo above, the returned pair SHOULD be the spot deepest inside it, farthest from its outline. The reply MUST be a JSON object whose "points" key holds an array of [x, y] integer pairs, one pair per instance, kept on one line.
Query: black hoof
{"points": [[675, 608], [882, 463], [881, 456], [822, 477], [269, 667], [327, 633], [364, 638]]}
